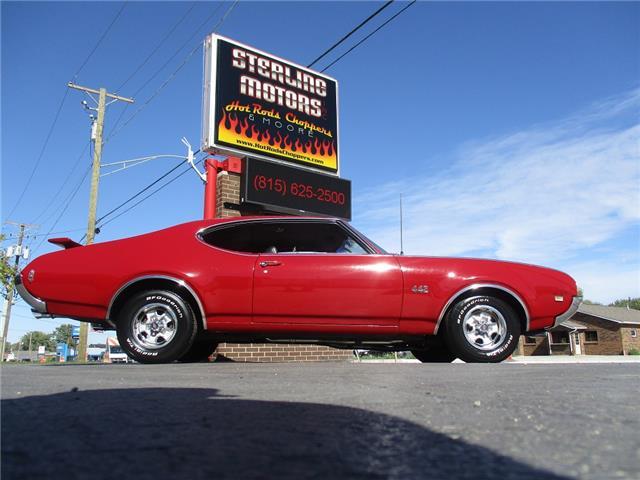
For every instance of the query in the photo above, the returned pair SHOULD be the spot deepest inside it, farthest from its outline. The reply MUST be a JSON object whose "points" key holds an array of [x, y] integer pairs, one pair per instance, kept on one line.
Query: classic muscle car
{"points": [[176, 293]]}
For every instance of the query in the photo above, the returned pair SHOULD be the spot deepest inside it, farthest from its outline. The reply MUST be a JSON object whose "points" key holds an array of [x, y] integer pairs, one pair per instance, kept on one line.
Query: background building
{"points": [[593, 330]]}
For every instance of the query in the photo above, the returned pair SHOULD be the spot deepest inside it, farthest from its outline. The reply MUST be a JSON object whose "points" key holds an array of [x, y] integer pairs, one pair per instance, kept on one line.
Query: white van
{"points": [[115, 353]]}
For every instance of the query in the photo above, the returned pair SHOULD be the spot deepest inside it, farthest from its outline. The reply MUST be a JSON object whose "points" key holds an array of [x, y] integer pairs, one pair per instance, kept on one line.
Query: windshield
{"points": [[116, 350]]}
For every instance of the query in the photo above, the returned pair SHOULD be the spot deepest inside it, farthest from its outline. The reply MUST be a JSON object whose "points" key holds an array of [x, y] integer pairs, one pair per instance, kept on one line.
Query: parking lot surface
{"points": [[321, 421]]}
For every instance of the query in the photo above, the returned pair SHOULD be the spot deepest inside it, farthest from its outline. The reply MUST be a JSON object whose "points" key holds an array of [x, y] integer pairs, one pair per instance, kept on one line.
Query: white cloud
{"points": [[540, 195]]}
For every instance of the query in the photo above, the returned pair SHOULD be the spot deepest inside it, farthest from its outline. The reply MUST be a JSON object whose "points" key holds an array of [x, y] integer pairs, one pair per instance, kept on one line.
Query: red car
{"points": [[176, 293]]}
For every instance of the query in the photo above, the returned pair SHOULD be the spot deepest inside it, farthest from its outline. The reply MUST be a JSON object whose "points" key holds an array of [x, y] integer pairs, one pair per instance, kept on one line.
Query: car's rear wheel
{"points": [[435, 354], [482, 329], [200, 351], [156, 327]]}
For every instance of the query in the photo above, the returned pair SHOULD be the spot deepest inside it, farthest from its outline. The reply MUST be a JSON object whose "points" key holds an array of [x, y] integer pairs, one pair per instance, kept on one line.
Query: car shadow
{"points": [[195, 433]]}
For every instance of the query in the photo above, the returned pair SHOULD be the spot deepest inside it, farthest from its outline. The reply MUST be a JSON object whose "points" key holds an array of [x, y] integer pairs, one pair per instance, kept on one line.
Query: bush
{"points": [[634, 351]]}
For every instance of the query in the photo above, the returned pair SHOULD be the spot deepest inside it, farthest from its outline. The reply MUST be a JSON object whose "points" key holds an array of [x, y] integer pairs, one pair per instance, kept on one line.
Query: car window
{"points": [[349, 245], [236, 237], [285, 237]]}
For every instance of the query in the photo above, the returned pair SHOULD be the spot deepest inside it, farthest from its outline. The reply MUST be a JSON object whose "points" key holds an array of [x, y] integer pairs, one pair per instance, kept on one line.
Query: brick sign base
{"points": [[257, 352]]}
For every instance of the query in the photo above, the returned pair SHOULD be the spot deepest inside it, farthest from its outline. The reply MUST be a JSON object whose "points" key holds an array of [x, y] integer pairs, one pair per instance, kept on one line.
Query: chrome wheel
{"points": [[153, 326], [484, 327]]}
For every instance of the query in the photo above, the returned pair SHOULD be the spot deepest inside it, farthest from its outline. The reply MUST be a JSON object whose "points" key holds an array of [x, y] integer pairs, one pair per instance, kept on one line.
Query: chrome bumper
{"points": [[37, 306], [568, 314]]}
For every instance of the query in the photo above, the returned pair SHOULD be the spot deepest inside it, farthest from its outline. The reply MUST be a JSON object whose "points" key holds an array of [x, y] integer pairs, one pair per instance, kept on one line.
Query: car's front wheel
{"points": [[482, 329], [156, 327]]}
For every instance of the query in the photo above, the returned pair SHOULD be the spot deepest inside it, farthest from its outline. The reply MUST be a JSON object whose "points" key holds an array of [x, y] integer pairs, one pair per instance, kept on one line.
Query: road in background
{"points": [[369, 421]]}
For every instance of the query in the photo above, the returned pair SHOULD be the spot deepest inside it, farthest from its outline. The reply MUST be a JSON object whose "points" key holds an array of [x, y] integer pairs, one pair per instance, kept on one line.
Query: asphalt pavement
{"points": [[321, 421]]}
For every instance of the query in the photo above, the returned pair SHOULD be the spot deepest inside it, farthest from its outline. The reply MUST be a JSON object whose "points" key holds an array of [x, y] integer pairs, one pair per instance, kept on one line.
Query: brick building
{"points": [[593, 330], [228, 197]]}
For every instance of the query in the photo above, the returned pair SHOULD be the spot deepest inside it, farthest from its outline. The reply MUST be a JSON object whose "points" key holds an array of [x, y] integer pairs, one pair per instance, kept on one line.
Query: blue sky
{"points": [[510, 128]]}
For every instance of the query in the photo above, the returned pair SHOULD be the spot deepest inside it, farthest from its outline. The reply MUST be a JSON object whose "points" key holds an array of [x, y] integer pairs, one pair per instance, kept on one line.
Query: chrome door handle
{"points": [[270, 263]]}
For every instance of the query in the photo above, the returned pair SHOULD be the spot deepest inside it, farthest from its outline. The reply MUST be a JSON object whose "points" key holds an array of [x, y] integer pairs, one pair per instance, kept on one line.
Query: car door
{"points": [[307, 276], [227, 259]]}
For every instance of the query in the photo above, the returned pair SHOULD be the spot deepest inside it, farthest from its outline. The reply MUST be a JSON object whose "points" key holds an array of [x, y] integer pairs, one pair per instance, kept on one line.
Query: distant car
{"points": [[115, 353], [95, 352], [175, 293]]}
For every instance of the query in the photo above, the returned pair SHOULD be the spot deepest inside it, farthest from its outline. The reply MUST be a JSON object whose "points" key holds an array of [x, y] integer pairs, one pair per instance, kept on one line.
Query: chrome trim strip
{"points": [[575, 304], [336, 221], [178, 281], [230, 223], [482, 285], [38, 306], [359, 237]]}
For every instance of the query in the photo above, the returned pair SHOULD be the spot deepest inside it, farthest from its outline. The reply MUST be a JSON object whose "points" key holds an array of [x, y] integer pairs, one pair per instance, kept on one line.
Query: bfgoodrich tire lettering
{"points": [[482, 329], [156, 327]]}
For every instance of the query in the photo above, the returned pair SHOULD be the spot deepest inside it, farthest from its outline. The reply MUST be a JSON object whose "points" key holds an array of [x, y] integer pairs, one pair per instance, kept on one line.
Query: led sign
{"points": [[294, 190]]}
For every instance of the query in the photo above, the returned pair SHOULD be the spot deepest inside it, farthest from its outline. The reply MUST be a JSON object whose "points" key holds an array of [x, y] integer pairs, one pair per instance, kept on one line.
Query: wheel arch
{"points": [[503, 293], [154, 282]]}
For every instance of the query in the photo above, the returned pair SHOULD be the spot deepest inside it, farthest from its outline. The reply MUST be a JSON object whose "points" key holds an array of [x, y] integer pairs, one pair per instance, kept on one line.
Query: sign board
{"points": [[294, 190], [260, 105], [41, 350], [75, 332], [62, 350]]}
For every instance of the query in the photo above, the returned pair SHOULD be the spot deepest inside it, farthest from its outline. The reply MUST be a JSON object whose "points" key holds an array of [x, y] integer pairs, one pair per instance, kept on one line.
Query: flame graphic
{"points": [[233, 131]]}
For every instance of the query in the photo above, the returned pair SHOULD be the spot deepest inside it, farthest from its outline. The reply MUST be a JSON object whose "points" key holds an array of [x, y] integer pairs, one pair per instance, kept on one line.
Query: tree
{"points": [[586, 301], [62, 334], [624, 302], [37, 339], [7, 272]]}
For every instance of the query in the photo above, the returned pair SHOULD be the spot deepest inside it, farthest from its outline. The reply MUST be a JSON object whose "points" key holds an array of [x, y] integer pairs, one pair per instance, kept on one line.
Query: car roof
{"points": [[250, 218]]}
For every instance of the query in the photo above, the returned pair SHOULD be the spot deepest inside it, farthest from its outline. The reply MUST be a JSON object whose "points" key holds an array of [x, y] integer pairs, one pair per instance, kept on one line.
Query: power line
{"points": [[182, 173], [150, 194], [64, 184], [157, 47], [66, 206], [41, 154], [102, 37], [56, 233], [115, 129], [365, 38], [220, 22], [57, 114], [354, 30], [173, 74], [179, 49], [140, 192]]}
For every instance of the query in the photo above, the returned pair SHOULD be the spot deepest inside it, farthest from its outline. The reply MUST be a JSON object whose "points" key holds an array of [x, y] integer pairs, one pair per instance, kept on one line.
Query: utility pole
{"points": [[96, 135], [9, 302]]}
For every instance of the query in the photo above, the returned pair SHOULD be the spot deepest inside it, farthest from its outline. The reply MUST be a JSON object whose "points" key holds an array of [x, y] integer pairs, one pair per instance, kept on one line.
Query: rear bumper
{"points": [[37, 306], [569, 313]]}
